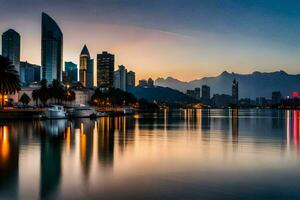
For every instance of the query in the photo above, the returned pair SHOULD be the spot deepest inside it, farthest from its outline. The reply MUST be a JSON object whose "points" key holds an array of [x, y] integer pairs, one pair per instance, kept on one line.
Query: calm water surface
{"points": [[200, 154]]}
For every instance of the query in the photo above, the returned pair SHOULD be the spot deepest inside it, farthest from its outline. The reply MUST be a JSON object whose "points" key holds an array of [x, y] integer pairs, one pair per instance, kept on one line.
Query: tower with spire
{"points": [[86, 68]]}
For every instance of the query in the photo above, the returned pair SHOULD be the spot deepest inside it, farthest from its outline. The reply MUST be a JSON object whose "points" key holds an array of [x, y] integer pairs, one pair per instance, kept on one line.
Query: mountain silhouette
{"points": [[161, 94], [257, 84]]}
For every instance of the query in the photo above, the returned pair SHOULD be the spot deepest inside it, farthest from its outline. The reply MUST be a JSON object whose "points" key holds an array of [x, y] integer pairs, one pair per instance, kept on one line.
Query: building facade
{"points": [[86, 68], [29, 73], [120, 78], [130, 79], [150, 83], [52, 49], [105, 70], [11, 47], [198, 93], [235, 93], [194, 93], [276, 97], [71, 72], [90, 74], [191, 93], [143, 83], [205, 94]]}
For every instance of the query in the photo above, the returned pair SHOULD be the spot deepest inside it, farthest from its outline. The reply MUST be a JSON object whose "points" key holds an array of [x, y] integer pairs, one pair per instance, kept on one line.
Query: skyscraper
{"points": [[86, 71], [11, 47], [30, 72], [143, 83], [198, 93], [52, 49], [120, 78], [131, 79], [71, 72], [150, 83], [90, 74], [235, 93], [276, 97], [191, 93], [105, 70], [205, 94]]}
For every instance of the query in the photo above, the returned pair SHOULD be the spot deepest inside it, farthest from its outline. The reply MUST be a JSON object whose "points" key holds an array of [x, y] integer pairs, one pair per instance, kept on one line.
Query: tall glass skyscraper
{"points": [[120, 78], [105, 70], [86, 70], [71, 72], [11, 47], [130, 79], [29, 72], [52, 49], [90, 74]]}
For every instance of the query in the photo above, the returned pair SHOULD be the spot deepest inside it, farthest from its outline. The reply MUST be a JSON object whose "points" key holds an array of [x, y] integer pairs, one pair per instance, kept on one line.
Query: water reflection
{"points": [[86, 153], [9, 163], [235, 125]]}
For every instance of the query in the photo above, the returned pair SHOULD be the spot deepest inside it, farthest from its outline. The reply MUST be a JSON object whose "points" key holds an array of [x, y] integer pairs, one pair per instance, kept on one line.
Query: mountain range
{"points": [[256, 84], [161, 94]]}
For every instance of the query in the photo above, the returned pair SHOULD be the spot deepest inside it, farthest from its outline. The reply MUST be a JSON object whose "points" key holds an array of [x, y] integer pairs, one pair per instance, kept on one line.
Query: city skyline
{"points": [[214, 42]]}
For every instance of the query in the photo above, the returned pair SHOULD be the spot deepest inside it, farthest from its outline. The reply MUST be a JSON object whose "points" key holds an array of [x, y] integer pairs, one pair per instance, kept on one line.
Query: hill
{"points": [[250, 85], [160, 94]]}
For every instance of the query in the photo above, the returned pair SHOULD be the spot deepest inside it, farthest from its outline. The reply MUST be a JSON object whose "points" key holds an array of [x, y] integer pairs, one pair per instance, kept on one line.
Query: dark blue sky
{"points": [[215, 35]]}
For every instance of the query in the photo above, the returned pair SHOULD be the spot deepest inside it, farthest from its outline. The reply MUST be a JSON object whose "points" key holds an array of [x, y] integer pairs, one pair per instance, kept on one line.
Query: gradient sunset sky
{"points": [[185, 39]]}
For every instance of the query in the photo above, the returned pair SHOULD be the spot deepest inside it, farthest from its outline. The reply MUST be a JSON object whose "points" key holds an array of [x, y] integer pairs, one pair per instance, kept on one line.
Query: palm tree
{"points": [[9, 78], [42, 94], [69, 95], [57, 90], [35, 96]]}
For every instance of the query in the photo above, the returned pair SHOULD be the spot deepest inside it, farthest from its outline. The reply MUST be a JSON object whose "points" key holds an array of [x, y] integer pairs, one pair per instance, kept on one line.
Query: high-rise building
{"points": [[11, 47], [276, 97], [90, 74], [194, 93], [205, 94], [150, 83], [52, 49], [143, 83], [235, 93], [261, 101], [86, 69], [65, 79], [71, 72], [131, 79], [191, 93], [197, 93], [29, 73], [105, 70], [120, 78]]}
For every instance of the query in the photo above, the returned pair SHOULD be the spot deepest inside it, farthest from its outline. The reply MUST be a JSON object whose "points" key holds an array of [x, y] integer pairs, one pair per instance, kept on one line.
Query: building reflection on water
{"points": [[99, 143], [9, 162], [293, 129], [235, 125]]}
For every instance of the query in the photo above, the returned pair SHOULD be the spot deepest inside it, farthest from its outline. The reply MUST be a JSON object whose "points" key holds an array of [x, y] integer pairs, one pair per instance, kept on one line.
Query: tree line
{"points": [[55, 91]]}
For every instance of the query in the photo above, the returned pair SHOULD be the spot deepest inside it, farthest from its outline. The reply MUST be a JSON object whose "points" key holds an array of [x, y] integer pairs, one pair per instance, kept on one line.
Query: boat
{"points": [[54, 112], [102, 114], [128, 111], [82, 111]]}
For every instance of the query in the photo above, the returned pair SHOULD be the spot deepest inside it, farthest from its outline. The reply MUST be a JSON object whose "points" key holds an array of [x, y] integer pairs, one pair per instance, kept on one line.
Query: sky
{"points": [[185, 39]]}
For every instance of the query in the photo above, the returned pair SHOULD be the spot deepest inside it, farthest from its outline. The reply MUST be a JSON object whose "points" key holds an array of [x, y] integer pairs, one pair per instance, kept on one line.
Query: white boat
{"points": [[83, 111], [55, 112], [102, 114], [128, 111]]}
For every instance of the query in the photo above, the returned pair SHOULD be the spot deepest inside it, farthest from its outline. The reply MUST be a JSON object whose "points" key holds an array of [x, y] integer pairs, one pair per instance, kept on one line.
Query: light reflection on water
{"points": [[189, 154]]}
